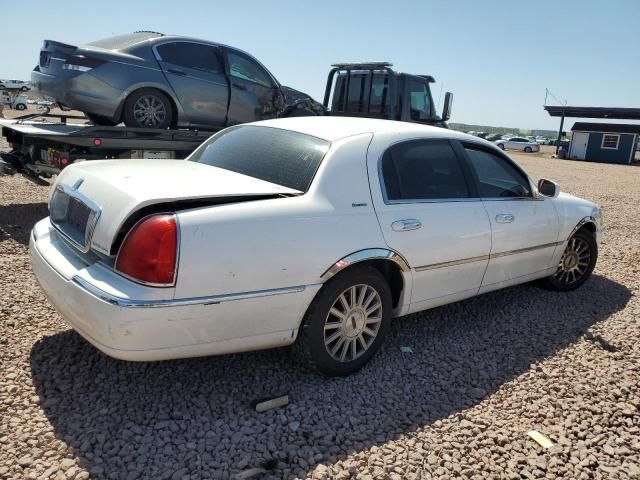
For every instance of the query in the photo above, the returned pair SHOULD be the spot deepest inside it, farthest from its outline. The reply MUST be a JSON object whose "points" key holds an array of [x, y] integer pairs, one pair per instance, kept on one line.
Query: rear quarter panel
{"points": [[282, 242]]}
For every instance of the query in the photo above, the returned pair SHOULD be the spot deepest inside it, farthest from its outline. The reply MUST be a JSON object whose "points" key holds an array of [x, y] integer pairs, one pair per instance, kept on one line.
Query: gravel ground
{"points": [[483, 372]]}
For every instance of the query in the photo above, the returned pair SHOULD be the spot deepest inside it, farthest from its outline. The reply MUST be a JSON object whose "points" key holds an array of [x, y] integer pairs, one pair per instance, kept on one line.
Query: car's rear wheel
{"points": [[501, 145], [346, 322], [21, 106], [577, 262], [148, 108], [100, 120], [527, 149], [24, 89]]}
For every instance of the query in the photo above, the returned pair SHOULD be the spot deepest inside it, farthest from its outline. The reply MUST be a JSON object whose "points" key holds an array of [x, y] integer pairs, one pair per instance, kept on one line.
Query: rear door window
{"points": [[423, 170], [191, 55]]}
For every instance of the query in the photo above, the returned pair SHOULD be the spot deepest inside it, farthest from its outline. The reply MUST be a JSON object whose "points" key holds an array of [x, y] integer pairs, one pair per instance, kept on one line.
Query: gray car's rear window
{"points": [[283, 157]]}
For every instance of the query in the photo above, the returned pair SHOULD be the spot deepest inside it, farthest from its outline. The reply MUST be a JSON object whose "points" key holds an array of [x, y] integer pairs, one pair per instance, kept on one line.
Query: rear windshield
{"points": [[283, 157], [121, 42]]}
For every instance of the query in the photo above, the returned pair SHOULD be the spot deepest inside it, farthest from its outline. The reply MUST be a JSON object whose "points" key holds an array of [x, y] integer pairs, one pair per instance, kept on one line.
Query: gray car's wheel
{"points": [[24, 89], [577, 262], [346, 322], [21, 106], [501, 145], [527, 149], [148, 108]]}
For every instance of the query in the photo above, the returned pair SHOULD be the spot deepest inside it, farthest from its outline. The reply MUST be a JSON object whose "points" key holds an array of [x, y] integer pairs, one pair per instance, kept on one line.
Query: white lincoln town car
{"points": [[315, 231]]}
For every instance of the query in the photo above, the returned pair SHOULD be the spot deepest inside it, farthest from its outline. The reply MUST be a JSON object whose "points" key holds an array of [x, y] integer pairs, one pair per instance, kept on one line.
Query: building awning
{"points": [[593, 112], [606, 127]]}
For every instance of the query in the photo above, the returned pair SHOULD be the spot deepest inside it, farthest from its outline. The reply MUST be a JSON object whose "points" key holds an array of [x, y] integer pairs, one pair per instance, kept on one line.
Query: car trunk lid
{"points": [[93, 200]]}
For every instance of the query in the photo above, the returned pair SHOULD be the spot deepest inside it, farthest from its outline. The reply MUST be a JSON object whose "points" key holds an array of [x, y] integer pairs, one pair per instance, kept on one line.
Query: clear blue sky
{"points": [[497, 57]]}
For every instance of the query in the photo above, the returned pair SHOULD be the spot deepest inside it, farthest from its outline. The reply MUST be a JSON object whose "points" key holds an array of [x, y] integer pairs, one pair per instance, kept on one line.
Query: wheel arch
{"points": [[588, 223], [177, 111], [389, 263]]}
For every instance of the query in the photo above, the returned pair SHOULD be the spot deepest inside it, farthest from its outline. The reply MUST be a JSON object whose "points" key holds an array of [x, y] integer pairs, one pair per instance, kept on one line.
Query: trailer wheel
{"points": [[100, 120], [148, 108]]}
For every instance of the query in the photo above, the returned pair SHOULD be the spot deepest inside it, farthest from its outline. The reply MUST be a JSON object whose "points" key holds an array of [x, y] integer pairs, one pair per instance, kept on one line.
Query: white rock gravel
{"points": [[483, 373]]}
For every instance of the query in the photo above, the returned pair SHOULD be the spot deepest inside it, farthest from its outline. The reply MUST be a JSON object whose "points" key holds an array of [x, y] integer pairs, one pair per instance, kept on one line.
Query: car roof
{"points": [[332, 128]]}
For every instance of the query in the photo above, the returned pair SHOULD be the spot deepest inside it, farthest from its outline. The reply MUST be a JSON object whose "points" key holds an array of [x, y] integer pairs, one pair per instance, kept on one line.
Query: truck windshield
{"points": [[283, 157]]}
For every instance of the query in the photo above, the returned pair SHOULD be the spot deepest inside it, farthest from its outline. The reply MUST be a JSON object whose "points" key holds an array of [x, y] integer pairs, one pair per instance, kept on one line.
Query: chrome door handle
{"points": [[505, 218], [406, 225]]}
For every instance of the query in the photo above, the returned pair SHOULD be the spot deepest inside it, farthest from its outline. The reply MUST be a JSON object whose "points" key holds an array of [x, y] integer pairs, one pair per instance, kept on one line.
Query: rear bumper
{"points": [[78, 91], [133, 322]]}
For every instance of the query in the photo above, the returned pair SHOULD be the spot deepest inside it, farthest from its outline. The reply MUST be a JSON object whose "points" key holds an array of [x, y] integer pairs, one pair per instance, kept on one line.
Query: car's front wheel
{"points": [[148, 108], [527, 149], [24, 89], [501, 145], [346, 322], [21, 106], [577, 262]]}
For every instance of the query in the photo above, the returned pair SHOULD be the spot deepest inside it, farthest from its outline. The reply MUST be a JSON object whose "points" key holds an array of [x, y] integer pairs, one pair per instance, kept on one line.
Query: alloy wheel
{"points": [[353, 323], [149, 111], [574, 263]]}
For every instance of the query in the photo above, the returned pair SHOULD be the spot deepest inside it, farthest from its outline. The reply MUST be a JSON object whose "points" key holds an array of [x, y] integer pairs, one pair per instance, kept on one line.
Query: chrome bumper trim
{"points": [[178, 302]]}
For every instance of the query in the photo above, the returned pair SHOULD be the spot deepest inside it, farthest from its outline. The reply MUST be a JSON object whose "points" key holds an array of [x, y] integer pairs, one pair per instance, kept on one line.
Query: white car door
{"points": [[420, 192], [524, 228]]}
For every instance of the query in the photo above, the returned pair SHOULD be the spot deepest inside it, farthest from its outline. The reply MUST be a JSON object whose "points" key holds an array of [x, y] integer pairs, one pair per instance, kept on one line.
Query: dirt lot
{"points": [[482, 373]]}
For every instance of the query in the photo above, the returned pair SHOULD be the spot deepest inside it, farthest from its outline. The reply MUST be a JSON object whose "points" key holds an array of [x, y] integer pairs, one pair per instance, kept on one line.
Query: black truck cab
{"points": [[374, 90]]}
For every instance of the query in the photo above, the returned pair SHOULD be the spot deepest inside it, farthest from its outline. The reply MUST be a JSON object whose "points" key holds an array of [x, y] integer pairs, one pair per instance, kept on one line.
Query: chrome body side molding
{"points": [[362, 255], [178, 302], [462, 261], [452, 263]]}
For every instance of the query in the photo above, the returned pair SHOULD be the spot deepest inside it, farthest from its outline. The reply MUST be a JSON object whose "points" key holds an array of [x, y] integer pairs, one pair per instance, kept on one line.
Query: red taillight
{"points": [[149, 251]]}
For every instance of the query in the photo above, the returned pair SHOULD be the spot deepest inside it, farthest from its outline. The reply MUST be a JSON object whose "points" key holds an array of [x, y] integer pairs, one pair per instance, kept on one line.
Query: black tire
{"points": [[501, 145], [25, 89], [100, 120], [21, 106], [158, 109], [527, 149], [563, 281], [313, 334], [1, 86]]}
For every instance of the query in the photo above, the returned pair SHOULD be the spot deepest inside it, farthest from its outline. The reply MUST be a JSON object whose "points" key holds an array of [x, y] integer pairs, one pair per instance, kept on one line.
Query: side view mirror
{"points": [[448, 105], [548, 188]]}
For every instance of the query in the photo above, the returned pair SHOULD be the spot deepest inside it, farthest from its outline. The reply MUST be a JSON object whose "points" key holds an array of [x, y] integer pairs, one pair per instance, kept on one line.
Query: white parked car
{"points": [[18, 102], [313, 230], [15, 85], [518, 143]]}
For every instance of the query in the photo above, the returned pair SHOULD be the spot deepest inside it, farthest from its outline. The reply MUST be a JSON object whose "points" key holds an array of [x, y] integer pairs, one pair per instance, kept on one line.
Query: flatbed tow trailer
{"points": [[43, 144]]}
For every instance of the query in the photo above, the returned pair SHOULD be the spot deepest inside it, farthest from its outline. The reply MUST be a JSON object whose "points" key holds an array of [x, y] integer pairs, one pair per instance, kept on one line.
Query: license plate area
{"points": [[74, 216]]}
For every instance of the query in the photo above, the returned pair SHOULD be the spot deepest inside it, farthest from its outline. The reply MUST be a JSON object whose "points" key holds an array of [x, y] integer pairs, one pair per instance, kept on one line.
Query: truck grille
{"points": [[74, 216]]}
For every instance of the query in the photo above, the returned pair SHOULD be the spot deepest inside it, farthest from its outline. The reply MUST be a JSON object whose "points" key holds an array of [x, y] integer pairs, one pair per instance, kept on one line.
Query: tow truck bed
{"points": [[42, 147]]}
